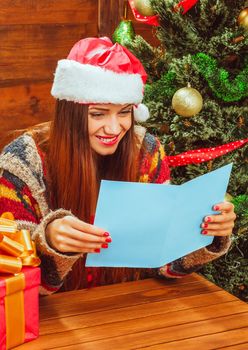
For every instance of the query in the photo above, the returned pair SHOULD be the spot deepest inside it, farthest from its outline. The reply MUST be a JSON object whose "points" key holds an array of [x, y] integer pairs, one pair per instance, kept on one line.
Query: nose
{"points": [[112, 125]]}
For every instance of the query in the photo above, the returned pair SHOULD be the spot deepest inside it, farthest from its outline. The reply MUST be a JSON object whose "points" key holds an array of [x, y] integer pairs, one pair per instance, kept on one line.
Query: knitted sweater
{"points": [[23, 191]]}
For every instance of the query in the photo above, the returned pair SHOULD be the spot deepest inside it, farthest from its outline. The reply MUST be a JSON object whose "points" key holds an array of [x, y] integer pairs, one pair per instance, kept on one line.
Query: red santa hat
{"points": [[98, 71]]}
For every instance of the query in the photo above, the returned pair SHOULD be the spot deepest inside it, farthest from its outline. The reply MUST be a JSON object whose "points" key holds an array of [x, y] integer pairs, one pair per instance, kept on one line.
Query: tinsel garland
{"points": [[219, 81], [164, 86], [204, 154], [217, 78]]}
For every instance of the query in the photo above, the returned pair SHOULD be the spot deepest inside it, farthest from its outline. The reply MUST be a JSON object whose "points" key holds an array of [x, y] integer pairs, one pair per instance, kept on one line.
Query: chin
{"points": [[105, 152]]}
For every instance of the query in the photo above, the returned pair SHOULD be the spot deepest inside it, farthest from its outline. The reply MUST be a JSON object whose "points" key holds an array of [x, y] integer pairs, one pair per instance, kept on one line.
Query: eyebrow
{"points": [[107, 109], [126, 106], [99, 108]]}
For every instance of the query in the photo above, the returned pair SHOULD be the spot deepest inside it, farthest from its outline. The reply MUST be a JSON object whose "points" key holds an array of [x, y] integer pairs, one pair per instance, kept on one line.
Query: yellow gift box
{"points": [[19, 285]]}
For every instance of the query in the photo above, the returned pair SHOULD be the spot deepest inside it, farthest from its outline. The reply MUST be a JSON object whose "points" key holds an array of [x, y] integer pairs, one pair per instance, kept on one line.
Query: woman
{"points": [[50, 175]]}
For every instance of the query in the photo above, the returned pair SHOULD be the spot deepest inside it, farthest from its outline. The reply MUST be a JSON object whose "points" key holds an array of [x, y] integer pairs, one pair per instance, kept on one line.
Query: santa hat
{"points": [[98, 71]]}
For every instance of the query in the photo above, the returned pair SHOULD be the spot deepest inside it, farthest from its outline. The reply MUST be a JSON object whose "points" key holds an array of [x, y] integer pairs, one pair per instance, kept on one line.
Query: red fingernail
{"points": [[208, 219], [108, 240], [216, 207], [104, 245], [205, 225], [106, 234], [204, 232], [97, 250]]}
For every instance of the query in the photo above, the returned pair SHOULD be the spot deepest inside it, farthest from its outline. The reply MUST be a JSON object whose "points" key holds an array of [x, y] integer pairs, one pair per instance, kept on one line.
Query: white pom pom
{"points": [[141, 113]]}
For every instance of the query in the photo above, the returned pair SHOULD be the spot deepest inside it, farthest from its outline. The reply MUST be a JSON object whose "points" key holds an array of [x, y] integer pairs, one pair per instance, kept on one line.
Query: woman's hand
{"points": [[70, 234], [220, 224]]}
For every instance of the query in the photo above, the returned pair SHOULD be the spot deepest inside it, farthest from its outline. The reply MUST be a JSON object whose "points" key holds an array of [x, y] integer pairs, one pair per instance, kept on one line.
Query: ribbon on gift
{"points": [[16, 250], [17, 247]]}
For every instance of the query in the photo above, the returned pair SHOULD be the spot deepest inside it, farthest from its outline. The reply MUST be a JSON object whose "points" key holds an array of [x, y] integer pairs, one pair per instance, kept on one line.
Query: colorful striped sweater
{"points": [[24, 192]]}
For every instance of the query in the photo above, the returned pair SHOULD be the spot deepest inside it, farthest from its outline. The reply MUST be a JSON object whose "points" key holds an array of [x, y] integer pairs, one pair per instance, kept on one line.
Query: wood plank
{"points": [[126, 288], [23, 106], [30, 52], [46, 11], [138, 333], [88, 305], [243, 346], [207, 342], [109, 14], [206, 306]]}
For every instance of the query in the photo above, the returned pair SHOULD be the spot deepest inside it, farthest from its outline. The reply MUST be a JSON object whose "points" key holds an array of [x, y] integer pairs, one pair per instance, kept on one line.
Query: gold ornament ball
{"points": [[187, 102], [144, 7], [243, 18]]}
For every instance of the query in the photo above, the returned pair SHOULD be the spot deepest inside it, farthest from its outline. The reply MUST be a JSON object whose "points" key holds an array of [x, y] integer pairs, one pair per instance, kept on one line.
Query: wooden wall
{"points": [[109, 19], [34, 34]]}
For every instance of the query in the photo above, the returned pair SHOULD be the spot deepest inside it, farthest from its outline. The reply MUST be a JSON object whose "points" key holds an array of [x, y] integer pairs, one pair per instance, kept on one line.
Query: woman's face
{"points": [[107, 124]]}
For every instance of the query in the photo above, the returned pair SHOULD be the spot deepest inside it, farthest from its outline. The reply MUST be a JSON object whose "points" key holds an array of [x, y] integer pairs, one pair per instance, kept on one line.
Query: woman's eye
{"points": [[96, 115], [128, 111]]}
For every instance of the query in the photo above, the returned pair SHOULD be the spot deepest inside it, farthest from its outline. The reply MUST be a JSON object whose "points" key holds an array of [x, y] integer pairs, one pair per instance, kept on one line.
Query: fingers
{"points": [[219, 233], [65, 244], [226, 214], [70, 234], [74, 234], [224, 206], [83, 226], [220, 224]]}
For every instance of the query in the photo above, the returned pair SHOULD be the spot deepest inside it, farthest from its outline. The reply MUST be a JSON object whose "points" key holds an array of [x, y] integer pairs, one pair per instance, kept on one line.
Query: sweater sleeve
{"points": [[194, 261], [15, 197]]}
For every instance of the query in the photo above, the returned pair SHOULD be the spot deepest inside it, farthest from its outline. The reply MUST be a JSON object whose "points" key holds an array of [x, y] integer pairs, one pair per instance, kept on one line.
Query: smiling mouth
{"points": [[107, 140]]}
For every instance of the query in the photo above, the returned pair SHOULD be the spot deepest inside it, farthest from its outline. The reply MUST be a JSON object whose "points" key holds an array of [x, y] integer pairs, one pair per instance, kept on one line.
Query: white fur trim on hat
{"points": [[86, 83], [141, 113]]}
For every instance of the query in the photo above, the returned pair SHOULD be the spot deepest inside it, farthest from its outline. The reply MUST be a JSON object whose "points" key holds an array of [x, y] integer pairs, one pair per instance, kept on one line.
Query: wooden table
{"points": [[190, 313]]}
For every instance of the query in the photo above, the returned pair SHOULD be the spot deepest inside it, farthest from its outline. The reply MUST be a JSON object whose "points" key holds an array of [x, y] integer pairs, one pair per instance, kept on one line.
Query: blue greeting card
{"points": [[152, 224]]}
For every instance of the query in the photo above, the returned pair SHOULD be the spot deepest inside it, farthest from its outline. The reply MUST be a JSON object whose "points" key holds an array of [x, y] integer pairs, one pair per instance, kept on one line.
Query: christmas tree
{"points": [[204, 45]]}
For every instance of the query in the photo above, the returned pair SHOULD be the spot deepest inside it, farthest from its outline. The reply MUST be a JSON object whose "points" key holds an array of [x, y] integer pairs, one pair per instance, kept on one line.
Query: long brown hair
{"points": [[75, 171]]}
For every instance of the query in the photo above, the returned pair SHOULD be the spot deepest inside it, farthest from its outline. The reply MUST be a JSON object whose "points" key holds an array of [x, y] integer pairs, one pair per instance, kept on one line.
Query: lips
{"points": [[108, 140]]}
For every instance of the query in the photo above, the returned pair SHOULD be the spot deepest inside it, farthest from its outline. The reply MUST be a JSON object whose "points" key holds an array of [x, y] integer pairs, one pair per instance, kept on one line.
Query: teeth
{"points": [[107, 140]]}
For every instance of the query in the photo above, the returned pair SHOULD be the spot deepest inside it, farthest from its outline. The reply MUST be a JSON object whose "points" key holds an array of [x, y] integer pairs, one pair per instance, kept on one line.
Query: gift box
{"points": [[19, 286], [19, 307]]}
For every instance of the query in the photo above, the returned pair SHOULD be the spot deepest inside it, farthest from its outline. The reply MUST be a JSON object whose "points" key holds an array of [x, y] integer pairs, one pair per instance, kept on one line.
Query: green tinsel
{"points": [[218, 79], [164, 85]]}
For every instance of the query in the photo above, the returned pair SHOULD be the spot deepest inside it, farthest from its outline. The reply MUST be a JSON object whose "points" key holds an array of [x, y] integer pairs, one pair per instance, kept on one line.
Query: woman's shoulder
{"points": [[153, 166], [29, 142], [149, 141], [23, 147], [21, 152]]}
